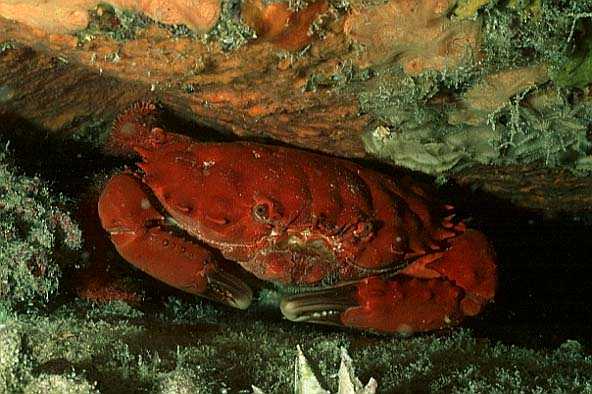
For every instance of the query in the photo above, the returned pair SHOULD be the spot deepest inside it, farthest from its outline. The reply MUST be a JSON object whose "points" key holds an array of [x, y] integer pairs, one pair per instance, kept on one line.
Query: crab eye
{"points": [[363, 229], [261, 212]]}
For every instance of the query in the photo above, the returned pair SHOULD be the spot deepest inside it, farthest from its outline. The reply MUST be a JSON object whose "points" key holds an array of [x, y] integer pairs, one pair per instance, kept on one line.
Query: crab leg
{"points": [[136, 230], [434, 292]]}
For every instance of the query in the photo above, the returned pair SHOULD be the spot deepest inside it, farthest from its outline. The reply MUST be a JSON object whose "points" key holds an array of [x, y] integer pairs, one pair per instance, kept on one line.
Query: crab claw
{"points": [[321, 306], [136, 229], [433, 293], [396, 305], [470, 264]]}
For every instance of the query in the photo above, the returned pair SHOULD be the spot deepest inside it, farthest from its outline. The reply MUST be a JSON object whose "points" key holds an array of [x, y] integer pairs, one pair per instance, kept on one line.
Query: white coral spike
{"points": [[305, 381], [349, 382]]}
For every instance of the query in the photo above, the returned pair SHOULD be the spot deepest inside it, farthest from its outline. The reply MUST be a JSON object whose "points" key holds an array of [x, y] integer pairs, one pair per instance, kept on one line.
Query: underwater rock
{"points": [[181, 381], [578, 70], [418, 34], [549, 128], [277, 23], [198, 15], [59, 384], [432, 151], [11, 363], [495, 91], [543, 126], [62, 17], [40, 240], [584, 164], [468, 8], [53, 16]]}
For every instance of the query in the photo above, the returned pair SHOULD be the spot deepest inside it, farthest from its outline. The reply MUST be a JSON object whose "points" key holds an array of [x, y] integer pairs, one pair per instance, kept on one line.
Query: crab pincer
{"points": [[139, 232], [431, 293]]}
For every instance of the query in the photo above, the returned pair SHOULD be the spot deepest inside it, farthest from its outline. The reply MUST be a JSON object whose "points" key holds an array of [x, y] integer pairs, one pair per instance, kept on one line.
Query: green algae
{"points": [[400, 101], [106, 20], [7, 45], [432, 151], [121, 25], [59, 384], [479, 112], [13, 361], [344, 74], [469, 8], [523, 130], [577, 71], [161, 356], [89, 131], [181, 380], [549, 129], [414, 134], [493, 92], [230, 31], [40, 240]]}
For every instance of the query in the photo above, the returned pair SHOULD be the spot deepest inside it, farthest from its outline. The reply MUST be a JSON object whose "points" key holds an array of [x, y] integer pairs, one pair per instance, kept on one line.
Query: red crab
{"points": [[364, 250]]}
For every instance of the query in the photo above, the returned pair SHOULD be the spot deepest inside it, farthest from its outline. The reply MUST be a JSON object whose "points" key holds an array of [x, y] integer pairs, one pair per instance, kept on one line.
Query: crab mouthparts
{"points": [[228, 289], [322, 306]]}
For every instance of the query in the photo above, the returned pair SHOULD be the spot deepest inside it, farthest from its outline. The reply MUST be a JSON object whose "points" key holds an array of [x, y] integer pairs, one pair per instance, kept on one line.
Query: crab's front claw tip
{"points": [[322, 306], [401, 305], [228, 289]]}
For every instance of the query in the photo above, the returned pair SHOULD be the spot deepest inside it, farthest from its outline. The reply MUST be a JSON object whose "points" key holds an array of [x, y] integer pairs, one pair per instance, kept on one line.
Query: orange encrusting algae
{"points": [[276, 23]]}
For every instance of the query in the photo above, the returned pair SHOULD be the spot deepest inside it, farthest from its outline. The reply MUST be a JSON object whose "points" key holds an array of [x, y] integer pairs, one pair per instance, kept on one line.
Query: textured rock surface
{"points": [[494, 95], [50, 16], [55, 16], [249, 92], [418, 34], [445, 92]]}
